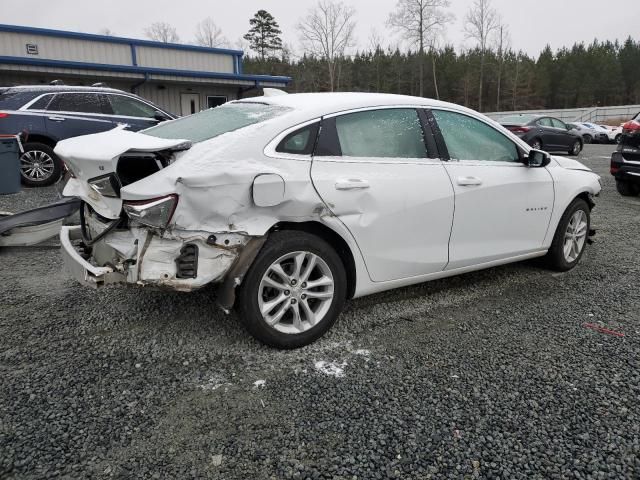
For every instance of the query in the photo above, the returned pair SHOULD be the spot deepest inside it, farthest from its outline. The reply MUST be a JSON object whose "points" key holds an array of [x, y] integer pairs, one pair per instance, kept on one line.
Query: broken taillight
{"points": [[155, 212]]}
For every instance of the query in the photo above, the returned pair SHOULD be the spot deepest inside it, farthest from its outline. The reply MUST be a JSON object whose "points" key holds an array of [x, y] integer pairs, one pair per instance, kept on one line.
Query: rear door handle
{"points": [[351, 184], [469, 181], [56, 118]]}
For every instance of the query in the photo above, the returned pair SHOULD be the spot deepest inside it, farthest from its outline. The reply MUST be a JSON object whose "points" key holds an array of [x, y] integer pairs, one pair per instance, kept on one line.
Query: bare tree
{"points": [[162, 32], [420, 22], [208, 34], [480, 23], [503, 43], [327, 32]]}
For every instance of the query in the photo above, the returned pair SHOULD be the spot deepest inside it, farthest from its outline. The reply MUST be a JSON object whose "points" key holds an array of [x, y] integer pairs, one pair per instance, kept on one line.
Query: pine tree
{"points": [[264, 34]]}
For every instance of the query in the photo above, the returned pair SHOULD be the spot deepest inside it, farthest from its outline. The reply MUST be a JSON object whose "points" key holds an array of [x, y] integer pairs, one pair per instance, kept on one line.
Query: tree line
{"points": [[490, 76]]}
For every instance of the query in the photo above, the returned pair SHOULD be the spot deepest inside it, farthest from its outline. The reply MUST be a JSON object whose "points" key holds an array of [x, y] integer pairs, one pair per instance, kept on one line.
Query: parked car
{"points": [[44, 115], [613, 133], [600, 134], [625, 161], [587, 134], [293, 203], [542, 132]]}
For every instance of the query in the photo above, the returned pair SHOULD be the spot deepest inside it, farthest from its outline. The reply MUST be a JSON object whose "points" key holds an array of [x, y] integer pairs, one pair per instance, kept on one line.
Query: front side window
{"points": [[216, 121], [467, 138], [389, 133], [76, 102], [558, 124], [130, 107], [545, 122]]}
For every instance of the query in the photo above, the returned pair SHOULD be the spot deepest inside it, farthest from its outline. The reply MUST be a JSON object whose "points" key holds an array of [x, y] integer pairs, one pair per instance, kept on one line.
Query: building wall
{"points": [[184, 60]]}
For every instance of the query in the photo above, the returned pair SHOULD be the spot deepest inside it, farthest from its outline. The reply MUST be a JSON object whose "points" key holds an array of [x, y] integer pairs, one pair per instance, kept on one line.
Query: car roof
{"points": [[60, 88], [318, 104]]}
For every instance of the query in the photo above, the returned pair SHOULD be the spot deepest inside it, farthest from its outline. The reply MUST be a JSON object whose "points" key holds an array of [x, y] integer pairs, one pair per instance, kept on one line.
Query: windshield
{"points": [[216, 121], [517, 119]]}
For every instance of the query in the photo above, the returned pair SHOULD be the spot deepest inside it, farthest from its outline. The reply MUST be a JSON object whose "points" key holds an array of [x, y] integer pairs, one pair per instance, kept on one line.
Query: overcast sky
{"points": [[532, 24]]}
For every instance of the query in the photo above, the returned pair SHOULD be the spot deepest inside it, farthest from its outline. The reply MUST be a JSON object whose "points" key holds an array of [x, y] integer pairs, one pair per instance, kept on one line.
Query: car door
{"points": [[546, 132], [76, 113], [502, 207], [372, 170], [562, 133], [136, 114]]}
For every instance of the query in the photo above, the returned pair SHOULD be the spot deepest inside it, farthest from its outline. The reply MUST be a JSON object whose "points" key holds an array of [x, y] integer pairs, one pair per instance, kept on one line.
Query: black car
{"points": [[625, 161], [44, 115], [544, 133]]}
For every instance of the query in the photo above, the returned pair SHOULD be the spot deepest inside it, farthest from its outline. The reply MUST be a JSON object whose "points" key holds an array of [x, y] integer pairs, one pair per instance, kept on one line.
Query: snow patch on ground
{"points": [[259, 383], [362, 351], [214, 383], [333, 369]]}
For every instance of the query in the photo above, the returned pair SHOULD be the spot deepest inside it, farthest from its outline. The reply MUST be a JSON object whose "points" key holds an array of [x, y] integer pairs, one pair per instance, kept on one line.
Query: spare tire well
{"points": [[333, 239]]}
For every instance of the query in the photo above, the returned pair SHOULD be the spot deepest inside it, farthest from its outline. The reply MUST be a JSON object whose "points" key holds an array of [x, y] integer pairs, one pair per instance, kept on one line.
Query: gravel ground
{"points": [[486, 375]]}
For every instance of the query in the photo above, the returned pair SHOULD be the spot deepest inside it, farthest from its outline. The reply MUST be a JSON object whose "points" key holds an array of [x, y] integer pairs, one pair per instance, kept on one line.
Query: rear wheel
{"points": [[618, 138], [570, 238], [39, 166], [576, 148], [627, 189], [587, 138], [294, 290]]}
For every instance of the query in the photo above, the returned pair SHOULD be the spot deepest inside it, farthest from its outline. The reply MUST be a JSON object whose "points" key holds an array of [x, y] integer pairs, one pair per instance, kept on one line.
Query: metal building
{"points": [[182, 79]]}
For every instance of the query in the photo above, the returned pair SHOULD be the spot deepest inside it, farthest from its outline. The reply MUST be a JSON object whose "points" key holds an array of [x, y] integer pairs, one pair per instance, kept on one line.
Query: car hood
{"points": [[570, 164]]}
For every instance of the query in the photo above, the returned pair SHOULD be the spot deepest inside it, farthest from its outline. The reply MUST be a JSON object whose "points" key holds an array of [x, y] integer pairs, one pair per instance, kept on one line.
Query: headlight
{"points": [[106, 185], [156, 212]]}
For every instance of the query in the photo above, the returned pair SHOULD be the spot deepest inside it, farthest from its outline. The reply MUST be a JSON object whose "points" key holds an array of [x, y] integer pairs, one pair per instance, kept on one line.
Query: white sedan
{"points": [[291, 204]]}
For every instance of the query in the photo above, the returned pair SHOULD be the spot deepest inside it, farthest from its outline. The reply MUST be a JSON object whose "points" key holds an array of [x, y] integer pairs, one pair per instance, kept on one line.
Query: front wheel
{"points": [[587, 138], [576, 148], [618, 138], [294, 290], [536, 144], [570, 238]]}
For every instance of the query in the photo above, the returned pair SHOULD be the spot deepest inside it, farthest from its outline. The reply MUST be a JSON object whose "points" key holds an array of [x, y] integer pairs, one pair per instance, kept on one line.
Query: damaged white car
{"points": [[291, 204]]}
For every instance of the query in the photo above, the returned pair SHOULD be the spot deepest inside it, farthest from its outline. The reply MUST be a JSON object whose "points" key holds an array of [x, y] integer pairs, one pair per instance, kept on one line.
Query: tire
{"points": [[618, 138], [587, 138], [39, 166], [627, 189], [557, 258], [576, 148], [256, 291], [536, 144]]}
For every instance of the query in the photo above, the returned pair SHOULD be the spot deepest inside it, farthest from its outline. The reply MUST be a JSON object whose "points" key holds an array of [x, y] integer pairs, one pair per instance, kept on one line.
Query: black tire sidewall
{"points": [[279, 244], [555, 256], [57, 165], [573, 148], [627, 189]]}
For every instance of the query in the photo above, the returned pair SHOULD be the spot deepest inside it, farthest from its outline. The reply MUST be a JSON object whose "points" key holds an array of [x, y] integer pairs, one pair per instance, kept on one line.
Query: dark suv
{"points": [[44, 115], [625, 161]]}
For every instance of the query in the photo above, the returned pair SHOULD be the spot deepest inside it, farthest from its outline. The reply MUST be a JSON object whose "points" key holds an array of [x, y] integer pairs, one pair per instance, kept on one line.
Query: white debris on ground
{"points": [[363, 352], [214, 383], [259, 383], [333, 369]]}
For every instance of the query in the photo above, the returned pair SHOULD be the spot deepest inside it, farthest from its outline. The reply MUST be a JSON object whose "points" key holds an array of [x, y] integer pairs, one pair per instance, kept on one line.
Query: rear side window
{"points": [[387, 133], [77, 102], [130, 107], [467, 138], [300, 142], [15, 100], [216, 121], [41, 103]]}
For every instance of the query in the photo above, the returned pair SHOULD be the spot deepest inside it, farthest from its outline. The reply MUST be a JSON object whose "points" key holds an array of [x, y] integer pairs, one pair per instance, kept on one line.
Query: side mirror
{"points": [[159, 116], [537, 159]]}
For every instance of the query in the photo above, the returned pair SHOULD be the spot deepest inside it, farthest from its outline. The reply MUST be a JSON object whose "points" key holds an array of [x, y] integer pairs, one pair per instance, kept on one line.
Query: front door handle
{"points": [[56, 118], [351, 184], [469, 181]]}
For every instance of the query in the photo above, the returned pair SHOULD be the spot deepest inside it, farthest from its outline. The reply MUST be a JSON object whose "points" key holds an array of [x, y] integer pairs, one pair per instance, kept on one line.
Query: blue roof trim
{"points": [[120, 40], [141, 70]]}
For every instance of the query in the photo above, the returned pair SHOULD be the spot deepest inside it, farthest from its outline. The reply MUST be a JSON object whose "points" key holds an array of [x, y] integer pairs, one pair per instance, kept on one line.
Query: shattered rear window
{"points": [[216, 121]]}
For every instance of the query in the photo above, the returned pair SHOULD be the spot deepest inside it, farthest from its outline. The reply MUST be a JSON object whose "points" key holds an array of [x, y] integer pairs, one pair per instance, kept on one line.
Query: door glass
{"points": [[300, 142], [76, 102], [558, 124], [470, 139], [390, 133], [130, 107], [41, 103], [545, 122]]}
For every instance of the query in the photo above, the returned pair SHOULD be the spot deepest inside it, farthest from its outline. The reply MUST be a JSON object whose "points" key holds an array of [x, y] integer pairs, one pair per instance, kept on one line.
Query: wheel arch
{"points": [[39, 138], [332, 238]]}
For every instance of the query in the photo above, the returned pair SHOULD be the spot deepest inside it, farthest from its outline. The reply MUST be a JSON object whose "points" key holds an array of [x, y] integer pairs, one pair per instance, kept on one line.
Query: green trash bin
{"points": [[9, 164]]}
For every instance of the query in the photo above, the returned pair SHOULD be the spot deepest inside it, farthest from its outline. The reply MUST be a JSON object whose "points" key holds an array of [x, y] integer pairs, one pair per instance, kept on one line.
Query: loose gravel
{"points": [[487, 375]]}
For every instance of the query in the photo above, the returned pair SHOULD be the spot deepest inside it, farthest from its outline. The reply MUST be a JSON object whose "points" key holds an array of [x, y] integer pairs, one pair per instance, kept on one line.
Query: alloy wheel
{"points": [[296, 292], [36, 165], [575, 236], [576, 148], [536, 145]]}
